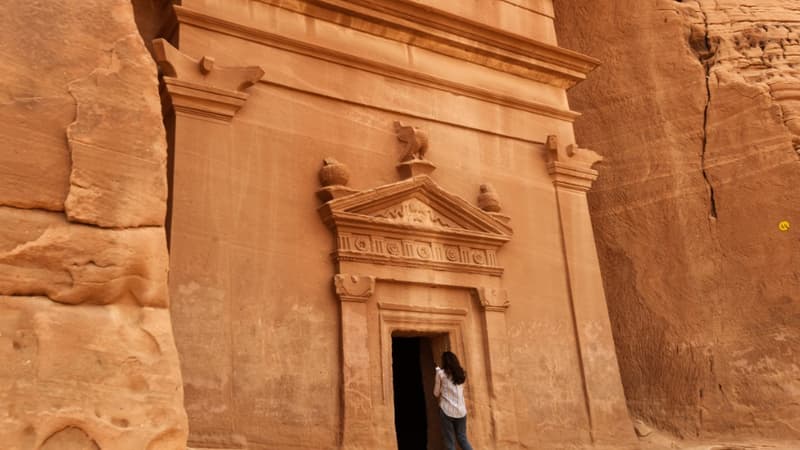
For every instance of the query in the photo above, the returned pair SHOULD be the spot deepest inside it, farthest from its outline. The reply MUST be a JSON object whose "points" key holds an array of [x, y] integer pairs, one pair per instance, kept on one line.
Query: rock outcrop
{"points": [[89, 360], [695, 110]]}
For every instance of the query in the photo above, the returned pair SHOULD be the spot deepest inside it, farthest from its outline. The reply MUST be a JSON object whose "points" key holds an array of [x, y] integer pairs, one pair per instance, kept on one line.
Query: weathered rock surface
{"points": [[89, 360], [695, 113], [69, 438], [43, 254], [86, 65], [119, 171], [108, 371]]}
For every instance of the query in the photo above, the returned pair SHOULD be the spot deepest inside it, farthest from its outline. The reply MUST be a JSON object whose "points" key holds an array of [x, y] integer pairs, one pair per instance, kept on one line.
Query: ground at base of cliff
{"points": [[725, 445], [657, 441]]}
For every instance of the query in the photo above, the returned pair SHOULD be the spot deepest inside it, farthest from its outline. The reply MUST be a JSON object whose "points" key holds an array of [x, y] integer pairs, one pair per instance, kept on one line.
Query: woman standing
{"points": [[449, 388]]}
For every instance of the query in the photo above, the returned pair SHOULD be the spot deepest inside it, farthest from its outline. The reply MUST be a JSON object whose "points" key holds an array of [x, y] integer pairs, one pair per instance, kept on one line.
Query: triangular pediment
{"points": [[418, 203], [415, 223]]}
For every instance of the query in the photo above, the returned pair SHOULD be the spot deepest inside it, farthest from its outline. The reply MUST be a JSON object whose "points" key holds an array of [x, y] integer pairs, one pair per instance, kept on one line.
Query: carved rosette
{"points": [[571, 167], [493, 299], [354, 288]]}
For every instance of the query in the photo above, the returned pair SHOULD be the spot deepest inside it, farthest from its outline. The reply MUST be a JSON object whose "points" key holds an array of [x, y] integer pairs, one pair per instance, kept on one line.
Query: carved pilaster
{"points": [[354, 291], [354, 288], [199, 87], [495, 302], [571, 167]]}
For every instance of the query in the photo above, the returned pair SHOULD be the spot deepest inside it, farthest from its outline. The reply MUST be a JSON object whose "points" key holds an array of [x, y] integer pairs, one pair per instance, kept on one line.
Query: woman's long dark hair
{"points": [[452, 368]]}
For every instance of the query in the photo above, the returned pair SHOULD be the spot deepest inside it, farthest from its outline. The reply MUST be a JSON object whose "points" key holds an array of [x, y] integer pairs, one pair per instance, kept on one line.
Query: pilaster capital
{"points": [[354, 288], [571, 167], [199, 87], [493, 299]]}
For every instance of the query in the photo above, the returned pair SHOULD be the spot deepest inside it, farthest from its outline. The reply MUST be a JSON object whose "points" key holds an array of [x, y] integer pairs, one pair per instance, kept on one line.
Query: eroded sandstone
{"points": [[118, 176], [89, 360], [695, 112], [43, 254], [108, 370]]}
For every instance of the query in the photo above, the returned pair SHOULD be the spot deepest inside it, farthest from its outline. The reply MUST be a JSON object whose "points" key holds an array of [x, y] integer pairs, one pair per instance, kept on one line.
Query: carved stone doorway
{"points": [[414, 358], [411, 260]]}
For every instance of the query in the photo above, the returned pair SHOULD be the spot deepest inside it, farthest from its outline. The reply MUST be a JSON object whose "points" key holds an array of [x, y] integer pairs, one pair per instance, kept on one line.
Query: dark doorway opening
{"points": [[416, 411]]}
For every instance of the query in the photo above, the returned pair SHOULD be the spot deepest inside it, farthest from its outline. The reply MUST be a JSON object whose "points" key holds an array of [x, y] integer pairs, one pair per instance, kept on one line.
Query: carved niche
{"points": [[415, 223]]}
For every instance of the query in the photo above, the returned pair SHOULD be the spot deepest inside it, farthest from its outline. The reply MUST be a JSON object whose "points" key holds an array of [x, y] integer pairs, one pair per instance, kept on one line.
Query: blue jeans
{"points": [[454, 430]]}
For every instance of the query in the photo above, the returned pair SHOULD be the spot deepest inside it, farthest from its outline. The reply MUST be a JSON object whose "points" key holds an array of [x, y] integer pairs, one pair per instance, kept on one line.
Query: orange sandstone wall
{"points": [[256, 319], [88, 357], [695, 109]]}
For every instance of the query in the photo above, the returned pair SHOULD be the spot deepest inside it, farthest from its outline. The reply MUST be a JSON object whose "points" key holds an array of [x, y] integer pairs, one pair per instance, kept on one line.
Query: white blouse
{"points": [[451, 395]]}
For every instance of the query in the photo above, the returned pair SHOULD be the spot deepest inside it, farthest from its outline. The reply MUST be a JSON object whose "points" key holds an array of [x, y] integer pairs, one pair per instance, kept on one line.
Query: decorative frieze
{"points": [[387, 249]]}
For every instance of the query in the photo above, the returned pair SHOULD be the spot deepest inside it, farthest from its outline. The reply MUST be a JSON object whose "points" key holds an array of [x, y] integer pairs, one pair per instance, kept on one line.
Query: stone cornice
{"points": [[204, 101], [570, 176], [341, 56], [199, 87], [455, 36]]}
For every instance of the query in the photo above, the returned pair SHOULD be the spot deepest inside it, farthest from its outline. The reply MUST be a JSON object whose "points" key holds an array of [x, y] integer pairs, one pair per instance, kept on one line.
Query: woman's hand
{"points": [[437, 385]]}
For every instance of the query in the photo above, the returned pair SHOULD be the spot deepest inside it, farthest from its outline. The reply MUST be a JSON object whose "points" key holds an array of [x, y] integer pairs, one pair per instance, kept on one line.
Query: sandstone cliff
{"points": [[695, 111], [88, 355]]}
